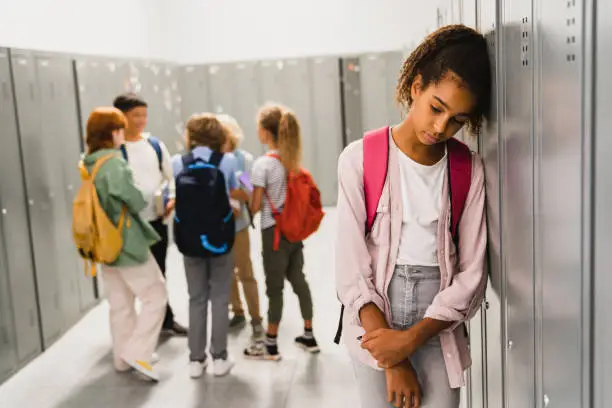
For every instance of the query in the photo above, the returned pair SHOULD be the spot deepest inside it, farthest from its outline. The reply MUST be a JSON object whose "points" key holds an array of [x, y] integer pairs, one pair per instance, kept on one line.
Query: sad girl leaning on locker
{"points": [[411, 281]]}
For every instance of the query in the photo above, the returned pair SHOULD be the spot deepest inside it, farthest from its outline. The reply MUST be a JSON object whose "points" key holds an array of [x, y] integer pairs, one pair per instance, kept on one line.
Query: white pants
{"points": [[135, 336]]}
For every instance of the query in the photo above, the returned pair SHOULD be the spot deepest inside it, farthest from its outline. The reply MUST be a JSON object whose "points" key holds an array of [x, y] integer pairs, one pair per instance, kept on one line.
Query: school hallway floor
{"points": [[77, 371]]}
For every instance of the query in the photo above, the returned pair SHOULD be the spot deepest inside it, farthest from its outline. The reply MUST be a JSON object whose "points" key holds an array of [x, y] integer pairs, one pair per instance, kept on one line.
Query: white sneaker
{"points": [[144, 369], [155, 358], [223, 367], [196, 369]]}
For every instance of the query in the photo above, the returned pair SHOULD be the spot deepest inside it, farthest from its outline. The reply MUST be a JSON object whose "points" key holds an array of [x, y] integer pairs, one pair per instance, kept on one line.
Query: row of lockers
{"points": [[45, 101]]}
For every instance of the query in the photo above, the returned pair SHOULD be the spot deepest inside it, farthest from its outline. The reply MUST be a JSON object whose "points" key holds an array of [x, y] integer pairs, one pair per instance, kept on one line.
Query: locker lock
{"points": [[510, 344]]}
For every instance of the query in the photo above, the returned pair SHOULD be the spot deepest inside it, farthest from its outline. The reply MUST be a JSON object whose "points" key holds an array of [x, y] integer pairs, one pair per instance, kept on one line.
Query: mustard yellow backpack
{"points": [[97, 239]]}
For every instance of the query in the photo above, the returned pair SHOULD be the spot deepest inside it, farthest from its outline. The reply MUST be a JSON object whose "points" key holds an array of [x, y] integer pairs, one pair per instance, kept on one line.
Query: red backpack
{"points": [[376, 163], [302, 212]]}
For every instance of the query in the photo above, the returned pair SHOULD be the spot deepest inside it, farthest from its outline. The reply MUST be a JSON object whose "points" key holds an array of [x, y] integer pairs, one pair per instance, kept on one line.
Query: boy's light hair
{"points": [[236, 135]]}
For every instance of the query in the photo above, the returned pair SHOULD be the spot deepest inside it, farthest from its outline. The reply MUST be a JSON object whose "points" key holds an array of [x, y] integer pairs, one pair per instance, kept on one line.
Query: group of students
{"points": [[411, 229], [212, 192]]}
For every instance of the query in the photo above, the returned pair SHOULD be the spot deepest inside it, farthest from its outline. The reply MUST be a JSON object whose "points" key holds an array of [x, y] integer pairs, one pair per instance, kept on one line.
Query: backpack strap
{"points": [[215, 158], [155, 144], [188, 159], [460, 178], [375, 166], [123, 150]]}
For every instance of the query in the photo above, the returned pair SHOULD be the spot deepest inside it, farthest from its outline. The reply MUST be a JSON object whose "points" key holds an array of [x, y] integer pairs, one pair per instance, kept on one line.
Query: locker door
{"points": [[54, 75], [297, 88], [351, 93], [220, 88], [271, 89], [560, 231], [492, 354], [8, 346], [393, 62], [600, 60], [193, 83], [517, 213], [68, 131], [172, 123], [374, 95], [14, 218], [246, 103], [327, 121], [38, 165]]}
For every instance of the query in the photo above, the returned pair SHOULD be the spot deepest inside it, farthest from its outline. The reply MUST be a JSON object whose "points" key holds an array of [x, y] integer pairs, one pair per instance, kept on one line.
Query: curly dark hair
{"points": [[455, 48]]}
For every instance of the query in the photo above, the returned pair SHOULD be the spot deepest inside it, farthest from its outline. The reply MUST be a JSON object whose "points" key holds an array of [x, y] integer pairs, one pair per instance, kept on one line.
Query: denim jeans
{"points": [[411, 291]]}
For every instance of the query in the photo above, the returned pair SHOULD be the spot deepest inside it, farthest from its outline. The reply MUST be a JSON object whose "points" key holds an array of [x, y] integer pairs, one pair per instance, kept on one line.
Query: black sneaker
{"points": [[237, 322], [308, 344], [176, 330]]}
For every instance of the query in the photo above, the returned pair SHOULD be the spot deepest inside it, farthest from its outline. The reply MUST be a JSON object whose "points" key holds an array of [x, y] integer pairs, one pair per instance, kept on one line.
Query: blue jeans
{"points": [[411, 291]]}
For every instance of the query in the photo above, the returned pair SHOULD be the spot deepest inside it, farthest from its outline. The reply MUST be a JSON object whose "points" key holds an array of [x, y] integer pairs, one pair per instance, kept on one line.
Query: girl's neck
{"points": [[272, 146], [405, 137]]}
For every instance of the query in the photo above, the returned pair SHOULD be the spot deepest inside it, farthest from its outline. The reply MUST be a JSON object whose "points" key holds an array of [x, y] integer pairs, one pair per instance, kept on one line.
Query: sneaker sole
{"points": [[263, 358], [223, 374], [195, 377], [312, 350], [144, 373]]}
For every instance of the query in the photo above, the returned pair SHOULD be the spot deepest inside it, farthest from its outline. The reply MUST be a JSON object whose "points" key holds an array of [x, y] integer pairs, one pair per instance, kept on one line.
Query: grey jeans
{"points": [[208, 279], [411, 291]]}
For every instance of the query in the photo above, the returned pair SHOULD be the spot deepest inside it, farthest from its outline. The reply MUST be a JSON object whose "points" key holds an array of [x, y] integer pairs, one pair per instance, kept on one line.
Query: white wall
{"points": [[130, 28], [228, 30], [197, 31]]}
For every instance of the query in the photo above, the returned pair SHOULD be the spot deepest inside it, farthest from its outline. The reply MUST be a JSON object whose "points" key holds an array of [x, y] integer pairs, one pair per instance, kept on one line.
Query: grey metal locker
{"points": [[271, 89], [220, 88], [351, 94], [560, 162], [394, 62], [38, 165], [517, 211], [67, 130], [14, 218], [246, 103], [99, 82], [601, 145], [490, 389], [8, 346], [375, 95], [59, 135], [193, 85], [172, 123], [327, 124], [295, 80]]}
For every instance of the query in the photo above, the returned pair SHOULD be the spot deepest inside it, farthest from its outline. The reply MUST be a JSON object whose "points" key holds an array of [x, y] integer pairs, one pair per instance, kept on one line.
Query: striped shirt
{"points": [[270, 174]]}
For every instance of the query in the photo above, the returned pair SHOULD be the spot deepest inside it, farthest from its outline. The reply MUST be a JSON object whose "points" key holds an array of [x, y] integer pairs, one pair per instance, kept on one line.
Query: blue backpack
{"points": [[204, 224]]}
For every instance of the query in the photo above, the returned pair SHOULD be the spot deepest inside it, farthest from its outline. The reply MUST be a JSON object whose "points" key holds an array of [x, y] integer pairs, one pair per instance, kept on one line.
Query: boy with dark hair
{"points": [[149, 160]]}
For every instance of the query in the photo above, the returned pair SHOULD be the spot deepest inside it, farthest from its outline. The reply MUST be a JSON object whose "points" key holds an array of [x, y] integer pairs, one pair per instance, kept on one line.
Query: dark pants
{"points": [[159, 251], [286, 263]]}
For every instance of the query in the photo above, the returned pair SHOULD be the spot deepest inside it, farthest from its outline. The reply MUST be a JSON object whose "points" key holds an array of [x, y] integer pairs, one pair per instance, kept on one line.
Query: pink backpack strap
{"points": [[375, 165], [460, 174]]}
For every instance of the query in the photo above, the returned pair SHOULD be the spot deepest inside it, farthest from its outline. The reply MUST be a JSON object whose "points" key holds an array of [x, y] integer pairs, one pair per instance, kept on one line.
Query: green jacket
{"points": [[116, 188]]}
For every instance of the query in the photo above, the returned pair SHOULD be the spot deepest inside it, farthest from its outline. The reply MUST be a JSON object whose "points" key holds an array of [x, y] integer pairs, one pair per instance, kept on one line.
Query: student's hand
{"points": [[389, 347], [169, 207], [403, 388]]}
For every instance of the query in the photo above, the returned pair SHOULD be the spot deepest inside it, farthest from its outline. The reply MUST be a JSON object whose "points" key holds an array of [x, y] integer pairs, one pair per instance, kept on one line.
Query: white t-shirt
{"points": [[144, 164], [422, 200], [270, 174]]}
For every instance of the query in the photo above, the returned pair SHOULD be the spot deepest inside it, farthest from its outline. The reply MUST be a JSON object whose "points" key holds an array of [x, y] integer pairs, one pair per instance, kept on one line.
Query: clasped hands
{"points": [[389, 347]]}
